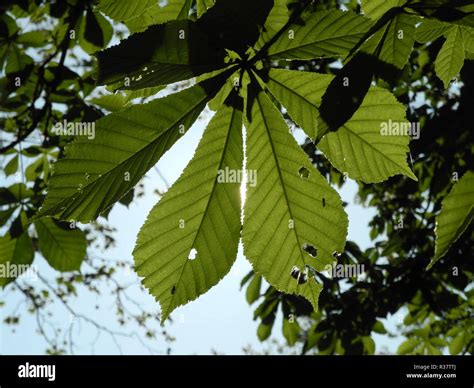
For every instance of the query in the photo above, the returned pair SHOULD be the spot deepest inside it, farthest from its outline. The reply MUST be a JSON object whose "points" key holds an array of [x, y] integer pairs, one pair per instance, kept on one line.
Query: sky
{"points": [[219, 321]]}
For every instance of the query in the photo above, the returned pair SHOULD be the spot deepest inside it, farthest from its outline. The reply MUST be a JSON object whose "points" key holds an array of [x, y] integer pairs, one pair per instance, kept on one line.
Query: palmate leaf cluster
{"points": [[292, 222]]}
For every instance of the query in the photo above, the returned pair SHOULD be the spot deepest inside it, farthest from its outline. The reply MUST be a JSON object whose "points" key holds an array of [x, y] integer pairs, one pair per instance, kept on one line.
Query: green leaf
{"points": [[253, 289], [379, 328], [276, 20], [203, 6], [357, 148], [17, 60], [369, 345], [393, 43], [14, 253], [97, 173], [454, 331], [264, 330], [95, 32], [457, 47], [432, 350], [431, 29], [367, 147], [408, 346], [141, 14], [225, 91], [450, 58], [268, 308], [15, 193], [468, 39], [63, 249], [439, 342], [300, 93], [37, 38], [289, 192], [246, 279], [143, 93], [189, 241], [34, 169], [320, 34], [8, 26], [457, 344], [157, 14], [161, 55], [122, 10], [290, 331], [455, 216], [111, 102], [175, 9], [374, 9], [5, 215], [12, 166]]}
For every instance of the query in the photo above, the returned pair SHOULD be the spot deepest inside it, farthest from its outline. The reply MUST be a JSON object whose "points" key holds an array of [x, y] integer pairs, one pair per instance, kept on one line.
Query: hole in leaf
{"points": [[173, 290], [193, 254], [303, 173], [324, 202], [301, 277], [336, 254], [310, 250]]}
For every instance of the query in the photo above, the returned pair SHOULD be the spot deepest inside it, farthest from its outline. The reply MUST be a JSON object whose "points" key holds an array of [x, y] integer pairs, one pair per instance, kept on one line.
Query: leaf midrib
{"points": [[211, 196], [282, 185]]}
